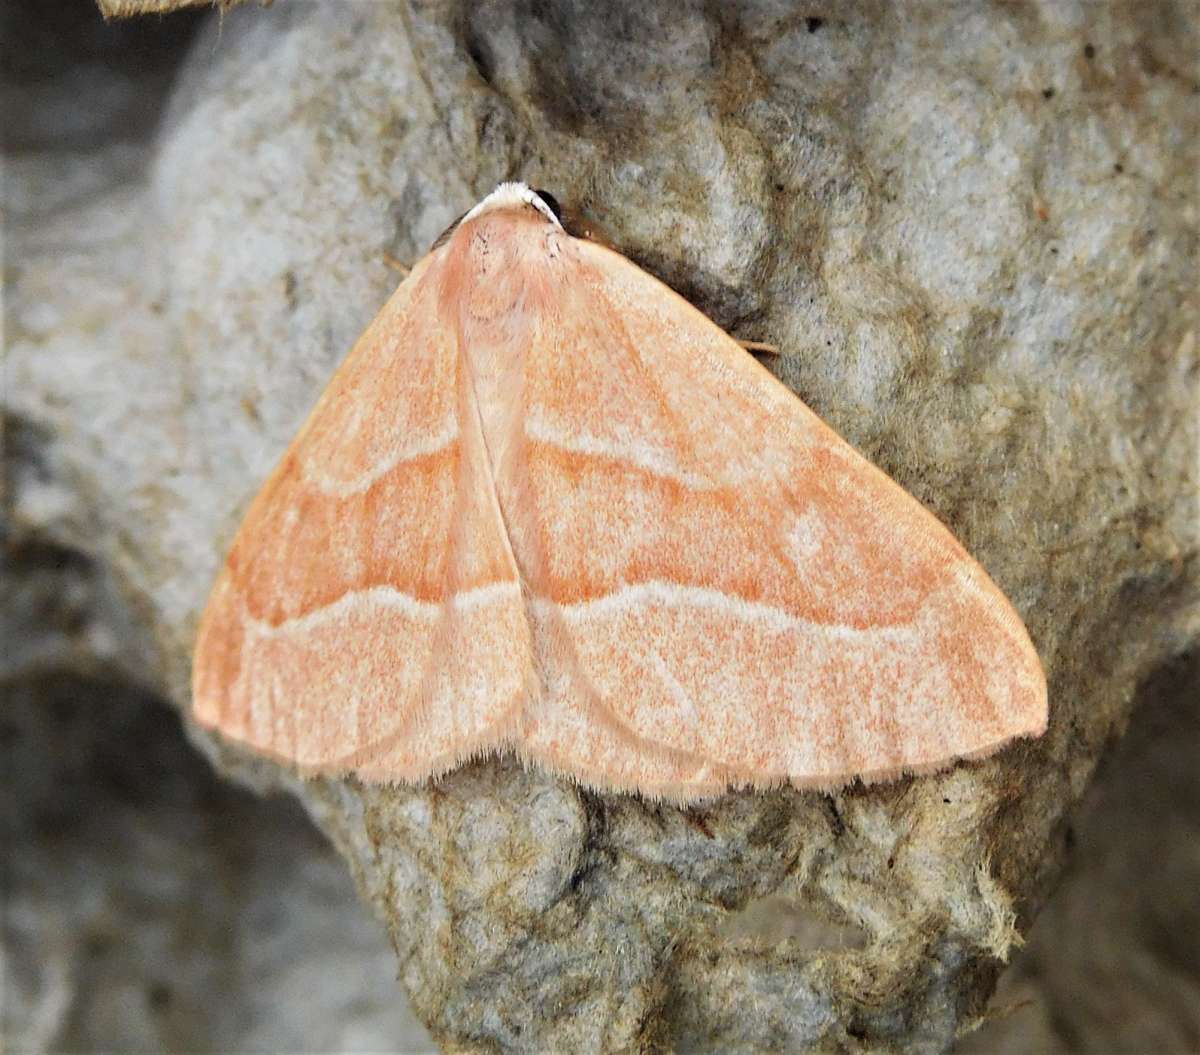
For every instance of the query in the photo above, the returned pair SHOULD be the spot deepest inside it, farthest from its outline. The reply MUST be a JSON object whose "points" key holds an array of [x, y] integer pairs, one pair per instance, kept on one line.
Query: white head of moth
{"points": [[512, 194], [546, 507]]}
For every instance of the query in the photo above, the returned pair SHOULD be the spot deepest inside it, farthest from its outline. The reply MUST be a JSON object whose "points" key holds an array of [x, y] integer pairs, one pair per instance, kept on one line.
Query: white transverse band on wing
{"points": [[365, 481], [385, 597], [658, 592], [673, 595], [579, 442]]}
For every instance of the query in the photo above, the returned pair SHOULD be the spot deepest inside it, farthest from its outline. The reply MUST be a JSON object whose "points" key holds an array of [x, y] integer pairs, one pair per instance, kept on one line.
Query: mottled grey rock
{"points": [[145, 905], [1112, 962], [132, 8], [148, 907], [972, 233]]}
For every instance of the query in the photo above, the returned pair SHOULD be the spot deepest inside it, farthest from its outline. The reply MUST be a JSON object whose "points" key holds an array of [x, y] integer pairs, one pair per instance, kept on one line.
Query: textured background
{"points": [[972, 232]]}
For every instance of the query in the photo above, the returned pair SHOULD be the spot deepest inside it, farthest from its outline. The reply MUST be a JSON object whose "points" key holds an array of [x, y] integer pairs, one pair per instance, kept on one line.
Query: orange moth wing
{"points": [[547, 506], [369, 615], [730, 591]]}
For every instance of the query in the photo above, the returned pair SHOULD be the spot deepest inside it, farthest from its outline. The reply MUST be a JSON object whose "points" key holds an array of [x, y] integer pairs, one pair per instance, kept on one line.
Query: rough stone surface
{"points": [[132, 8], [145, 905], [973, 235], [149, 907], [1112, 964]]}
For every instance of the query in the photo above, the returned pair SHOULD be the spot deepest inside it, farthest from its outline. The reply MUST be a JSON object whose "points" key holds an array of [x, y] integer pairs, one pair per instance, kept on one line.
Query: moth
{"points": [[546, 507]]}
